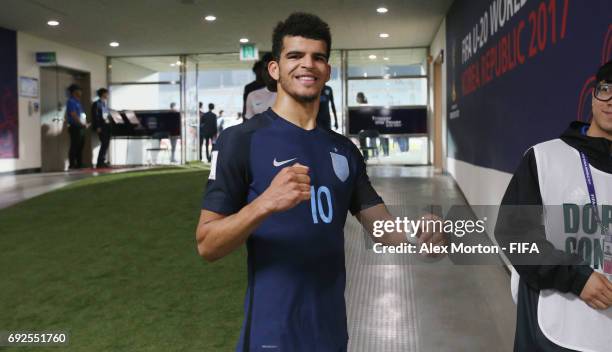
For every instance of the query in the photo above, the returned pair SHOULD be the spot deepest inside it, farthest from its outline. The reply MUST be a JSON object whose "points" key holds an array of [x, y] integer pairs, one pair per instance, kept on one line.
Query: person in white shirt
{"points": [[259, 101]]}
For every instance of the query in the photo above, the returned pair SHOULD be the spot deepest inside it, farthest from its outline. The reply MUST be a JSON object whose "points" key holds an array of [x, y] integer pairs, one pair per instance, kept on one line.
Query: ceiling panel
{"points": [[150, 27]]}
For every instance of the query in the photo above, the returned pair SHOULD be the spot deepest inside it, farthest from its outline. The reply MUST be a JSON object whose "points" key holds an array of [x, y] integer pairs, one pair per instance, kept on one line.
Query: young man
{"points": [[564, 294], [101, 124], [76, 127], [283, 186]]}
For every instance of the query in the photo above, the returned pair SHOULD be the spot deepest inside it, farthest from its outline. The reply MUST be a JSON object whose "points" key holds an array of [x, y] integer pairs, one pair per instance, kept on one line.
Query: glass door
{"points": [[190, 110]]}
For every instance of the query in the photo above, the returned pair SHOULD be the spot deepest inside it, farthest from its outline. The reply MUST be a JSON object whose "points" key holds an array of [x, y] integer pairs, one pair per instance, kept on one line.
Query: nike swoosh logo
{"points": [[279, 163]]}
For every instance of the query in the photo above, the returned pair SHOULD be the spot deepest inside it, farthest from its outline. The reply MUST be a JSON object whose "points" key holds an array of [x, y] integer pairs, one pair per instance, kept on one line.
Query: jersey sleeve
{"points": [[363, 195], [228, 182]]}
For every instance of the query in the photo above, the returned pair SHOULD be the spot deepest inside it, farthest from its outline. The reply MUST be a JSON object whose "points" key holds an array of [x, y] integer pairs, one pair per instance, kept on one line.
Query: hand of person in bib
{"points": [[597, 292]]}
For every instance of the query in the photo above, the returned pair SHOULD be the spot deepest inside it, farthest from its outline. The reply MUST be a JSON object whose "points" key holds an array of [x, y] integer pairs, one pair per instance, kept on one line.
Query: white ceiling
{"points": [[156, 27]]}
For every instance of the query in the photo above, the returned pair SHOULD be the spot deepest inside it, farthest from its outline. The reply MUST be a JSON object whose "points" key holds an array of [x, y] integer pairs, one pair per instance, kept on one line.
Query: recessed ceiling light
{"points": [[210, 18], [178, 63], [244, 40], [384, 35], [53, 23], [382, 10], [372, 57], [172, 64], [114, 44], [386, 58]]}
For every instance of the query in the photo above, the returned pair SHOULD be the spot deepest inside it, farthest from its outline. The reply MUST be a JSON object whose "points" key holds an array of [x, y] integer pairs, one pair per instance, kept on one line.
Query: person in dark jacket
{"points": [[560, 200], [101, 124], [208, 129], [75, 118], [324, 117]]}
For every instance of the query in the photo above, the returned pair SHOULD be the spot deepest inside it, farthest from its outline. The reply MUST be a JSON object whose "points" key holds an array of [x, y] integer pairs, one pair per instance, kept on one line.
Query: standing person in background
{"points": [[323, 117], [361, 99], [208, 129], [255, 85], [100, 124], [76, 126], [261, 99], [220, 122], [201, 108], [173, 137]]}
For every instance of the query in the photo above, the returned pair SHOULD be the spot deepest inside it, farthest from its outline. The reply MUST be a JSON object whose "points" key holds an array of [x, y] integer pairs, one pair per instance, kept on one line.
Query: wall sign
{"points": [[28, 87], [518, 72], [388, 120]]}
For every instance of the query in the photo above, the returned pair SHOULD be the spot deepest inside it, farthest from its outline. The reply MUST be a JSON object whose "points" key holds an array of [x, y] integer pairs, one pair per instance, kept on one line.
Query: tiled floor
{"points": [[399, 306]]}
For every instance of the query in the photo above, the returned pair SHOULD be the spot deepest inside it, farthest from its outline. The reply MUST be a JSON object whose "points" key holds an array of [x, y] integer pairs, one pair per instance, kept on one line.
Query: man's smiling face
{"points": [[302, 68]]}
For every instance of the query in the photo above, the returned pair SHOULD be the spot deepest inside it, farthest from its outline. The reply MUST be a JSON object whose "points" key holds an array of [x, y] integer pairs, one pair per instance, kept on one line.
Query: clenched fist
{"points": [[288, 188], [427, 236]]}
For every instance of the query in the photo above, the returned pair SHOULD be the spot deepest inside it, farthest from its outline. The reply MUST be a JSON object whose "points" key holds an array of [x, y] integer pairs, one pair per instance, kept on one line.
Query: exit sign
{"points": [[248, 52], [46, 58]]}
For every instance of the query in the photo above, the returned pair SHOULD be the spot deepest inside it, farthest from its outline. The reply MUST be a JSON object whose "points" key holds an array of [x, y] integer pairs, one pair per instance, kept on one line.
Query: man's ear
{"points": [[328, 73], [273, 70]]}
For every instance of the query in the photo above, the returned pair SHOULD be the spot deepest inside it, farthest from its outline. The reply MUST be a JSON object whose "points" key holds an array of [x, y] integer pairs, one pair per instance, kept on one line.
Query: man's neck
{"points": [[302, 114], [595, 131]]}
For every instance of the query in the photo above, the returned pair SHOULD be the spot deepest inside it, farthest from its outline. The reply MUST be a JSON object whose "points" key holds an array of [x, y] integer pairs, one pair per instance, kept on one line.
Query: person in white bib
{"points": [[560, 198]]}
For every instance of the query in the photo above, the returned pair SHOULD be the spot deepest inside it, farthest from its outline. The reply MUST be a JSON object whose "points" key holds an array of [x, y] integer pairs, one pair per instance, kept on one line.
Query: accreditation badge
{"points": [[607, 254]]}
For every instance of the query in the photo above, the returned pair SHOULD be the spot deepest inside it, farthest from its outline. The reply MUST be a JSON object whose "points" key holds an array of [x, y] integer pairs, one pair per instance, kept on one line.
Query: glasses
{"points": [[603, 92]]}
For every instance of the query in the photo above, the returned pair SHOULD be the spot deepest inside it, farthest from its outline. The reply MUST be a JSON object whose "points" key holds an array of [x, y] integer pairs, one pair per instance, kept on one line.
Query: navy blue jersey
{"points": [[296, 274]]}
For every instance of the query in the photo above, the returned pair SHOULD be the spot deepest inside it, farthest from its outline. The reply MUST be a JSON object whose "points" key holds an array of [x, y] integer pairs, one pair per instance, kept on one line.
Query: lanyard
{"points": [[588, 177]]}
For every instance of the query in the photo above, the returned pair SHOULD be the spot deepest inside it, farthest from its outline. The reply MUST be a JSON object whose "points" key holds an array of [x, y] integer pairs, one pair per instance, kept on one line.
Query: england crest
{"points": [[340, 164]]}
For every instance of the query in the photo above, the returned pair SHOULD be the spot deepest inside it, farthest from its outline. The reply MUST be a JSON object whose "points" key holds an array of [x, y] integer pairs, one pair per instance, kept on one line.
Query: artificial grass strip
{"points": [[113, 260]]}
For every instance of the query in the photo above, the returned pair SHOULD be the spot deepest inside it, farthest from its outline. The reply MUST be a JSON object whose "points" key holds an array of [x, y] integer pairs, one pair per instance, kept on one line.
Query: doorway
{"points": [[55, 142]]}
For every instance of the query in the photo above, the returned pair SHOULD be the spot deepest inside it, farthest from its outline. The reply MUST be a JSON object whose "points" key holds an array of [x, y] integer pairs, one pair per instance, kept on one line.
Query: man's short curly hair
{"points": [[300, 24]]}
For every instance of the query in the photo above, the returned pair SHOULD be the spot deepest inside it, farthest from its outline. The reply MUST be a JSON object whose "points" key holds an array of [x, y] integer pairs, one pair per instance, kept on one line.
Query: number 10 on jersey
{"points": [[325, 214]]}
